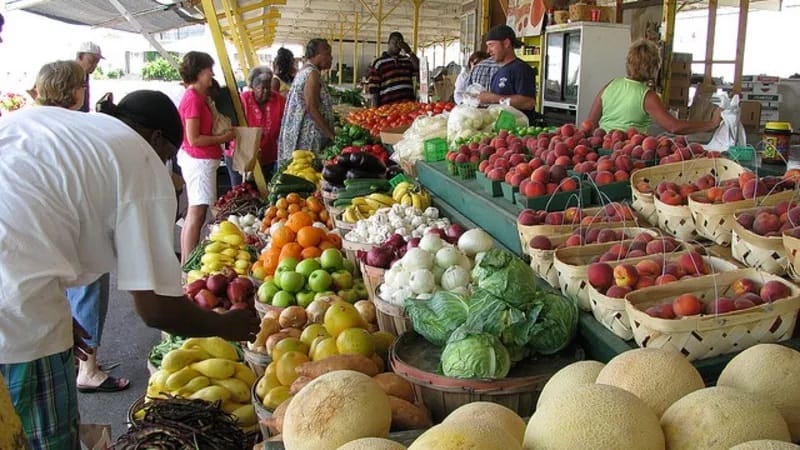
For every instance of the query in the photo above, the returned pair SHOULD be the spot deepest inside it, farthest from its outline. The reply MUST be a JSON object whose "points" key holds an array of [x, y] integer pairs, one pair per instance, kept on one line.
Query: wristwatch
{"points": [[505, 101]]}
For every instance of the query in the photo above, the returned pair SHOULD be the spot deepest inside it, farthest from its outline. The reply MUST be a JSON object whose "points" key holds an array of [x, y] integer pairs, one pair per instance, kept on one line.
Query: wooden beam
{"points": [[618, 11], [415, 33], [744, 6], [711, 31], [224, 60], [668, 16]]}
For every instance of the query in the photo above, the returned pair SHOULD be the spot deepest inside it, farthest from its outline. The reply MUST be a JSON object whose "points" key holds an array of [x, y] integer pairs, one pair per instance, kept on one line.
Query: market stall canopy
{"points": [[263, 22]]}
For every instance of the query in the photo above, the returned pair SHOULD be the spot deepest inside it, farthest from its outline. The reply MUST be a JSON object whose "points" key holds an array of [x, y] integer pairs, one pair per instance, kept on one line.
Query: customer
{"points": [[285, 70], [462, 82], [222, 110], [89, 55], [628, 102], [514, 83], [308, 121], [62, 84], [65, 230], [391, 76], [263, 107], [201, 150]]}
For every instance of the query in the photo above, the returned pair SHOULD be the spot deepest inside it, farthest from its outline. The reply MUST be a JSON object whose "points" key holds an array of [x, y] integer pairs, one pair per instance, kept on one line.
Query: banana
{"points": [[365, 210], [406, 201], [382, 198], [349, 215], [374, 204], [416, 201], [358, 201], [400, 190]]}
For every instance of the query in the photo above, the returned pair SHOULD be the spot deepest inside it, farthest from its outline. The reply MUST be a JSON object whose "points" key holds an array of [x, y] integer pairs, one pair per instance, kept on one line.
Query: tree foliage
{"points": [[160, 69]]}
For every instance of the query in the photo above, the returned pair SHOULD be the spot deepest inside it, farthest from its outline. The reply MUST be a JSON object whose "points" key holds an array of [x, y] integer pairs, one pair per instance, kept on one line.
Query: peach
{"points": [[771, 290], [743, 286], [540, 242], [645, 281], [686, 189], [765, 223], [625, 275], [568, 185], [648, 267], [635, 253], [618, 291], [638, 245], [618, 249], [782, 207], [592, 234], [671, 198], [753, 297], [643, 187], [607, 235], [721, 305], [533, 189], [674, 269], [644, 237], [793, 216], [527, 218], [706, 182], [621, 175], [693, 263], [687, 305], [754, 188], [733, 194], [714, 194], [743, 303], [554, 218], [604, 177], [573, 241], [667, 186], [746, 220], [600, 275], [541, 174], [666, 278]]}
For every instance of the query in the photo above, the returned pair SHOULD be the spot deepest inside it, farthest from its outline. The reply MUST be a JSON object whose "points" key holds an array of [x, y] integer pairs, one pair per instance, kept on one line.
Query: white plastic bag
{"points": [[471, 95], [522, 119], [730, 132]]}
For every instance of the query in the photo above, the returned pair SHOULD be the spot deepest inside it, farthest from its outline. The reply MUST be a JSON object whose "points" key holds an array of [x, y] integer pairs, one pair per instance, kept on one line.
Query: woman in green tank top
{"points": [[284, 68], [629, 102]]}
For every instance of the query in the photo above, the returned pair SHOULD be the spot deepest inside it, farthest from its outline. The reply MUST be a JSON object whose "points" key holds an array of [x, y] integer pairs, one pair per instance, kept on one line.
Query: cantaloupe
{"points": [[772, 372], [334, 409], [372, 444], [658, 377], [465, 436], [491, 413], [766, 444], [597, 417], [719, 418], [568, 378]]}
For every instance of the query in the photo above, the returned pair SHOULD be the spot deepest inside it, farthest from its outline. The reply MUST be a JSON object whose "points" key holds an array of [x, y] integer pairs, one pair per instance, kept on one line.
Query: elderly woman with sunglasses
{"points": [[263, 107]]}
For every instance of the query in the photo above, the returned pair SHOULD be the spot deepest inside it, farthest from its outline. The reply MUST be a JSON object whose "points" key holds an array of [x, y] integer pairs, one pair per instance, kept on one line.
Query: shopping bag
{"points": [[248, 143], [730, 132], [95, 436], [221, 123]]}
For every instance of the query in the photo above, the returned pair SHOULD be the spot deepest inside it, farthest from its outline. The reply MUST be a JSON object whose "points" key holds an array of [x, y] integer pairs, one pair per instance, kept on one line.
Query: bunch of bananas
{"points": [[302, 166], [364, 207], [226, 249], [408, 194]]}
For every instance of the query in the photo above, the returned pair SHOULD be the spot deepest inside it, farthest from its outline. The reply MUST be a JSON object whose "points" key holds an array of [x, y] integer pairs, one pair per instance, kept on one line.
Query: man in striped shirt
{"points": [[391, 75]]}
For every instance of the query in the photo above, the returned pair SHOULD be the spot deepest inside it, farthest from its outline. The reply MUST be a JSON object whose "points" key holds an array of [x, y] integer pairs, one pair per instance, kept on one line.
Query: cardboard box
{"points": [[750, 113], [772, 98], [680, 80], [683, 68], [392, 136], [682, 57], [678, 94]]}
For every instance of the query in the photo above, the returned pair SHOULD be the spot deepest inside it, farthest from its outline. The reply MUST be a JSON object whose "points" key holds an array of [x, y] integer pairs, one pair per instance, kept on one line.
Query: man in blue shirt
{"points": [[514, 82]]}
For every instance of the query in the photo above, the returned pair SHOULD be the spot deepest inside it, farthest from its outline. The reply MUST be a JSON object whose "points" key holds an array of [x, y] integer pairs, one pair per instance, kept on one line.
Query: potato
{"points": [[394, 385], [275, 423], [378, 362], [339, 362], [298, 384], [407, 416]]}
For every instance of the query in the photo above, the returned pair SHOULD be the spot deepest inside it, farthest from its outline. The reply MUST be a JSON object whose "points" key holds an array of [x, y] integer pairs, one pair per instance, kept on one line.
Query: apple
{"points": [[267, 291], [331, 259], [360, 288], [319, 280], [349, 266], [287, 264], [283, 299], [292, 281], [342, 279], [206, 299], [348, 295], [324, 295], [307, 266], [304, 298]]}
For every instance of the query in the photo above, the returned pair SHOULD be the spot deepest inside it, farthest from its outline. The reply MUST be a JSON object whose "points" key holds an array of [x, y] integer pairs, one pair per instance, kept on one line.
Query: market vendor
{"points": [[514, 82], [629, 102], [61, 231], [391, 76]]}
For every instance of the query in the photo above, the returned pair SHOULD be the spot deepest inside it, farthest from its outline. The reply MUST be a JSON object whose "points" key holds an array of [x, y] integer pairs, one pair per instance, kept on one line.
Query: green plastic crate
{"points": [[612, 192], [489, 186], [399, 178], [744, 153], [466, 171], [435, 149], [509, 192], [505, 121]]}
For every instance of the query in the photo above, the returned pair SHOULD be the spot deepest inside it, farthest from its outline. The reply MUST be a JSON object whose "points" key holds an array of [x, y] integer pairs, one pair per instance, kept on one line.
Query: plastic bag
{"points": [[730, 132], [471, 95], [411, 147], [522, 119], [465, 121]]}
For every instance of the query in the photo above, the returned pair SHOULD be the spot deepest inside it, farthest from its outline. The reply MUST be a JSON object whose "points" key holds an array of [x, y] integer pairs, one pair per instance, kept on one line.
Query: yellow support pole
{"points": [[744, 6], [669, 11], [710, 35], [235, 38], [250, 55], [355, 50], [415, 33], [379, 31], [485, 19]]}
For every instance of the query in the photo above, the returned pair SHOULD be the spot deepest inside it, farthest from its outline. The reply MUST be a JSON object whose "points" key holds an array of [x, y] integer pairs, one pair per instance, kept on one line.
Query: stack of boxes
{"points": [[680, 81], [763, 90]]}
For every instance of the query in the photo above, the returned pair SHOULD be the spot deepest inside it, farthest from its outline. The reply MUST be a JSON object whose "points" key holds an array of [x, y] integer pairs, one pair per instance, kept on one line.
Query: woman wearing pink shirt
{"points": [[201, 151]]}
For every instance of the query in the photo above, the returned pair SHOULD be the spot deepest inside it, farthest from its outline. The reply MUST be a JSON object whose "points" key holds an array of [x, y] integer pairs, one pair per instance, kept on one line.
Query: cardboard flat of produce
{"points": [[393, 135]]}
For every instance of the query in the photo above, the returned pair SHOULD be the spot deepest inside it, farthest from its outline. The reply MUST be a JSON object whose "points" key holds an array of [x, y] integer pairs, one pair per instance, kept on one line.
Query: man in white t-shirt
{"points": [[82, 193]]}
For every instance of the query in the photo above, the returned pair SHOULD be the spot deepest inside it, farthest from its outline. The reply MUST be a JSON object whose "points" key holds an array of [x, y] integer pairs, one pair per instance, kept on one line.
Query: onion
{"points": [[395, 241], [293, 317], [366, 309], [475, 241], [413, 243], [437, 231], [431, 243], [380, 257], [448, 257], [292, 332], [273, 340], [316, 311], [453, 232], [417, 258]]}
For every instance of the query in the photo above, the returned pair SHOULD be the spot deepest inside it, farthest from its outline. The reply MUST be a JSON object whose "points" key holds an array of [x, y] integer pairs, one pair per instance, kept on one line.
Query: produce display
{"points": [[302, 165], [290, 204], [412, 147], [241, 200], [407, 221], [613, 212], [226, 248], [395, 115], [353, 165], [466, 121], [207, 369]]}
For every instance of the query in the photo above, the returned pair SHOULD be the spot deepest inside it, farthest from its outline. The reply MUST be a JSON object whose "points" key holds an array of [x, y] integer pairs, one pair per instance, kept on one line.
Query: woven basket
{"points": [[256, 361], [328, 198], [263, 308], [261, 412], [391, 318], [580, 12], [611, 313], [676, 220], [341, 226], [417, 361], [792, 246], [756, 251], [706, 336], [572, 264], [137, 405], [373, 278], [350, 250], [715, 221], [682, 172]]}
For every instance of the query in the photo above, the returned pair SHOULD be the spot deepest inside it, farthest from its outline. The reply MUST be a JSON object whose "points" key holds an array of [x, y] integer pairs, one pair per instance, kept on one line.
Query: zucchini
{"points": [[360, 181], [341, 202]]}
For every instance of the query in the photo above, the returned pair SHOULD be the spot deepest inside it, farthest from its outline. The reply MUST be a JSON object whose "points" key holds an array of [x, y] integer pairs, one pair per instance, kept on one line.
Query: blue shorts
{"points": [[89, 305], [45, 395]]}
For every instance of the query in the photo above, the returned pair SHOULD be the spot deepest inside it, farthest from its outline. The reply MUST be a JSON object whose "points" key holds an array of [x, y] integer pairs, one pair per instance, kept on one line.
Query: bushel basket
{"points": [[765, 253], [792, 246], [391, 318], [708, 335]]}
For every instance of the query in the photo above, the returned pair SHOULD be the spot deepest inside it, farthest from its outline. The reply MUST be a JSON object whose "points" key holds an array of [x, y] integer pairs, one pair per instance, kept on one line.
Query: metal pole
{"points": [[710, 35], [379, 31], [744, 6], [341, 52], [156, 45], [666, 70]]}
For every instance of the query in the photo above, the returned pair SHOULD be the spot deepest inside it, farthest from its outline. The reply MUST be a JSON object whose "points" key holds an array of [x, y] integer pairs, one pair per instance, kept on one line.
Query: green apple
{"points": [[349, 295], [342, 279], [283, 299], [360, 289], [320, 280], [286, 265], [348, 265], [304, 298], [331, 259], [292, 281], [320, 295], [267, 291], [307, 266]]}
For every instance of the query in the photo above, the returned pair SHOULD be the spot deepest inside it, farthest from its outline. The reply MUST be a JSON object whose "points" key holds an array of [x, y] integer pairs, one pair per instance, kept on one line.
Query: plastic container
{"points": [[775, 142], [491, 187], [435, 149], [505, 121]]}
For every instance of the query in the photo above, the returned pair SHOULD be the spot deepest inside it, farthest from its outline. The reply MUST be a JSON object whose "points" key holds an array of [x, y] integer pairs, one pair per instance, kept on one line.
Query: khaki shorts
{"points": [[200, 176]]}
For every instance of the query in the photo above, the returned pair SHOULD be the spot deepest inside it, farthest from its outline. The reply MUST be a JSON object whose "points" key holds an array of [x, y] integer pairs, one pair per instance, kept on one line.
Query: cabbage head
{"points": [[506, 276], [556, 325], [475, 355], [436, 318]]}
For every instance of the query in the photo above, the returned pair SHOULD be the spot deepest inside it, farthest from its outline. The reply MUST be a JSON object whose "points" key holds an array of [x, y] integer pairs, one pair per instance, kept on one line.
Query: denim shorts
{"points": [[89, 305]]}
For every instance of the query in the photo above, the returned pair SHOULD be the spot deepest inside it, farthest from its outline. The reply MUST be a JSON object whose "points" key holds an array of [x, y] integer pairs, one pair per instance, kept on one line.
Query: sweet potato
{"points": [[339, 362], [299, 383], [395, 385], [378, 362], [407, 416], [275, 423]]}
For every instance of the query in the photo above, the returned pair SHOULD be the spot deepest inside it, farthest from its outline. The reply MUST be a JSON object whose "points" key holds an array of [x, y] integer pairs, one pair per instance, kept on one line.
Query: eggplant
{"points": [[392, 171], [357, 173], [334, 174], [363, 161]]}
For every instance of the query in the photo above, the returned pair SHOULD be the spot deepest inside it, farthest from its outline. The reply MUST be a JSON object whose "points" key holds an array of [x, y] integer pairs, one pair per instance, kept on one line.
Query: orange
{"points": [[291, 250], [335, 239], [314, 204], [299, 220], [282, 236], [271, 211], [310, 236], [269, 262], [281, 203], [294, 198], [282, 214], [293, 208], [323, 215], [311, 252], [324, 245]]}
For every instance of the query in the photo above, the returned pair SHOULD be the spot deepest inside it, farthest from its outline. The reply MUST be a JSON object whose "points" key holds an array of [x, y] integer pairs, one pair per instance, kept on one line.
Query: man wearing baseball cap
{"points": [[88, 56], [514, 83]]}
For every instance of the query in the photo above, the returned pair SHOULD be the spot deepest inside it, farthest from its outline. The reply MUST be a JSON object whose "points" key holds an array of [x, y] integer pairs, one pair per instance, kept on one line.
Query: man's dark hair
{"points": [[396, 34], [314, 46], [148, 109], [284, 62], [192, 64]]}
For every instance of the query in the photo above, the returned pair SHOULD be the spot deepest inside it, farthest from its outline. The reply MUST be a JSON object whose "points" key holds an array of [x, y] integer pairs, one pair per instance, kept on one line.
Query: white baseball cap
{"points": [[90, 47]]}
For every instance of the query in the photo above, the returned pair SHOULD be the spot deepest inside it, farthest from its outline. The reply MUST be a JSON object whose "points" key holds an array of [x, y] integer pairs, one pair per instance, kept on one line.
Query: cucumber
{"points": [[360, 181], [341, 202], [285, 178], [289, 188]]}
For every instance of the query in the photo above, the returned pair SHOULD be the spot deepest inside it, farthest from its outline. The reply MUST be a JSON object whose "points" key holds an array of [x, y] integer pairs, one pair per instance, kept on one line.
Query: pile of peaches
{"points": [[624, 278], [663, 148], [612, 212], [772, 221]]}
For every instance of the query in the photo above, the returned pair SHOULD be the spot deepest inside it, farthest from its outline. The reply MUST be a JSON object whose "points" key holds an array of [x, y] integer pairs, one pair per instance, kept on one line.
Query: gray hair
{"points": [[314, 46], [258, 72]]}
